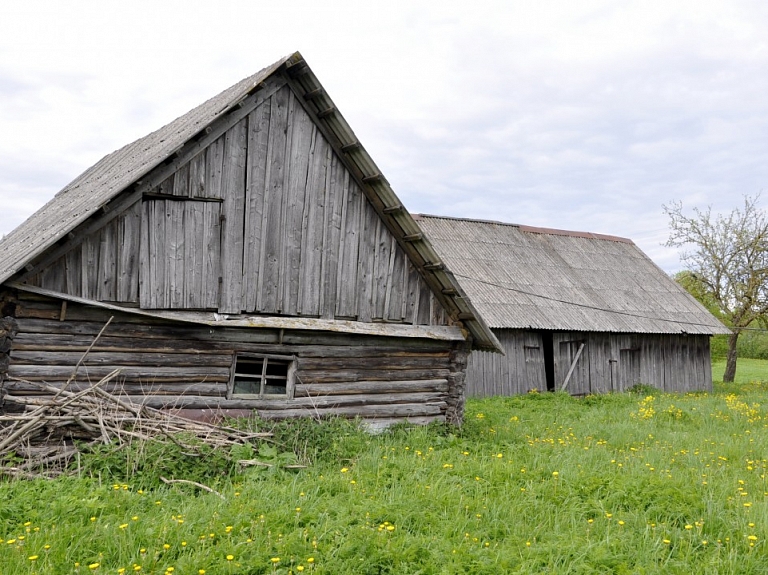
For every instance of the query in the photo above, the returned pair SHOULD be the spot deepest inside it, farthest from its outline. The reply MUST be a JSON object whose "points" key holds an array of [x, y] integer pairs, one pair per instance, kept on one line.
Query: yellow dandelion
{"points": [[230, 557], [275, 560], [33, 557], [300, 568], [93, 566], [310, 559]]}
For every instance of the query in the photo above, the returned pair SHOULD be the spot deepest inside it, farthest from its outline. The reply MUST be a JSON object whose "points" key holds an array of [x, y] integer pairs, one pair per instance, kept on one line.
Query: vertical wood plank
{"points": [[272, 248], [382, 269], [72, 266], [255, 185], [298, 212], [197, 176], [347, 277], [396, 284], [332, 236], [366, 257], [214, 169], [312, 240], [128, 252], [181, 181], [233, 209], [211, 255]]}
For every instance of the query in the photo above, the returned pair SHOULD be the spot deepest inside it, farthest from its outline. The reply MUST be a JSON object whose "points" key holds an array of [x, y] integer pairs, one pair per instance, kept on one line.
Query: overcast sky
{"points": [[582, 115]]}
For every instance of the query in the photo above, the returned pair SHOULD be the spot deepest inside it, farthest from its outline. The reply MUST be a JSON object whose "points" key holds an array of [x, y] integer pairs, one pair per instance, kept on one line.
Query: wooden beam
{"points": [[351, 147], [413, 237], [327, 112], [573, 366]]}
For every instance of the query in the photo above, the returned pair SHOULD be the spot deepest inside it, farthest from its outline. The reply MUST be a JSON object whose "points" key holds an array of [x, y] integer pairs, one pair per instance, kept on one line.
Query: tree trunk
{"points": [[730, 362]]}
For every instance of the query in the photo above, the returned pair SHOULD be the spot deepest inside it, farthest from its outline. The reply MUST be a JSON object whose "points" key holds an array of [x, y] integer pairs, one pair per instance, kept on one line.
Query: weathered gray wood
{"points": [[371, 387], [272, 239], [370, 225], [233, 182], [298, 151], [149, 375], [347, 277], [123, 358], [331, 238], [214, 168], [20, 388], [391, 363], [128, 244], [340, 375], [255, 189]]}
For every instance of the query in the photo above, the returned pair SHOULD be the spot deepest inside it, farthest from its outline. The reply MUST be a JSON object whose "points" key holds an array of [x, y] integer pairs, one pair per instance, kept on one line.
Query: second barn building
{"points": [[582, 312]]}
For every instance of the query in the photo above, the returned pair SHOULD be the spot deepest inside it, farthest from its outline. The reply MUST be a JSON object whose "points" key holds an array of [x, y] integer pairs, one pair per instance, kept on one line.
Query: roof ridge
{"points": [[533, 229]]}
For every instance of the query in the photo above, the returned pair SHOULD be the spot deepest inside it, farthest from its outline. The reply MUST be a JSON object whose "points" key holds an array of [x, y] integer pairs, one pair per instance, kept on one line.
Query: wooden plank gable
{"points": [[265, 219]]}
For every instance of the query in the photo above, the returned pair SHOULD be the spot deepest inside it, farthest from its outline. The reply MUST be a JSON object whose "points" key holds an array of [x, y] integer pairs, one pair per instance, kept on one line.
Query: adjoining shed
{"points": [[254, 258], [586, 312]]}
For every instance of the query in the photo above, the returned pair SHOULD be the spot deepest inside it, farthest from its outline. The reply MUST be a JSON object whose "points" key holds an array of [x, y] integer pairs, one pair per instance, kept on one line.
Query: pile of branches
{"points": [[50, 430]]}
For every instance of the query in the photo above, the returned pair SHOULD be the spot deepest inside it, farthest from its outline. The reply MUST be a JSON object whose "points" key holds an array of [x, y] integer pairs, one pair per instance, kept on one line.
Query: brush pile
{"points": [[44, 439], [41, 435]]}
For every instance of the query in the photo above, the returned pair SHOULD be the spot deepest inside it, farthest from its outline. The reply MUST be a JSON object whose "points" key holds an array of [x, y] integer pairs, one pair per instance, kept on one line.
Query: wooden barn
{"points": [[253, 258], [583, 312]]}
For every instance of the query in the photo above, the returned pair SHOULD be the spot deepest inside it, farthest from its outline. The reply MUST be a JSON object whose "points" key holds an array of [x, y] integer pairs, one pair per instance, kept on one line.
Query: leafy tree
{"points": [[727, 264]]}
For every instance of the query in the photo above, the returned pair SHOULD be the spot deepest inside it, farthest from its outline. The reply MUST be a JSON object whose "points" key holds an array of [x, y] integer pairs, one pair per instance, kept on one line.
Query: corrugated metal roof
{"points": [[523, 277]]}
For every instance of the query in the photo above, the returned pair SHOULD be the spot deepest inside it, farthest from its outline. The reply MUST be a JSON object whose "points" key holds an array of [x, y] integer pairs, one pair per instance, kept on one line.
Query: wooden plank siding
{"points": [[610, 362], [171, 365], [264, 220]]}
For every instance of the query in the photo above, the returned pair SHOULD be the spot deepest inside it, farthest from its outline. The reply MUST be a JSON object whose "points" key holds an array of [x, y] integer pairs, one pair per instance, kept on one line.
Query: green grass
{"points": [[543, 483], [747, 370]]}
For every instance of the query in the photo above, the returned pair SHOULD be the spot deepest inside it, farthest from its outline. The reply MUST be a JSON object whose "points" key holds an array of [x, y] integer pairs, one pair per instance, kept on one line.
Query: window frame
{"points": [[290, 376]]}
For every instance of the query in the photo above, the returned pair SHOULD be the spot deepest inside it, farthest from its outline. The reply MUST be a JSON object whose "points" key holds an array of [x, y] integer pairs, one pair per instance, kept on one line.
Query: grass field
{"points": [[543, 483]]}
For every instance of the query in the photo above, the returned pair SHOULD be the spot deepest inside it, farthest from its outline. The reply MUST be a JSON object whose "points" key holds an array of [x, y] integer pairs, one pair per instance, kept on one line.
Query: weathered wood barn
{"points": [[585, 312], [253, 257]]}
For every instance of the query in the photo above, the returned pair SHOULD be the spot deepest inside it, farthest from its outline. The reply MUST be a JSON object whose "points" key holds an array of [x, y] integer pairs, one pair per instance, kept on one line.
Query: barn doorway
{"points": [[549, 359]]}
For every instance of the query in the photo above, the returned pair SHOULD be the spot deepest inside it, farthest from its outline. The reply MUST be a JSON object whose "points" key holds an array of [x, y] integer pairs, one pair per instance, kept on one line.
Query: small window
{"points": [[262, 376]]}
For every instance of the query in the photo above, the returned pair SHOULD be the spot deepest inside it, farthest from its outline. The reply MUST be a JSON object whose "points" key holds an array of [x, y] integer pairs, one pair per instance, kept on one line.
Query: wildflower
{"points": [[93, 566], [689, 527], [230, 557], [33, 557], [555, 473], [275, 559], [344, 469], [666, 541], [310, 559], [123, 526], [499, 455], [166, 546], [201, 572], [752, 537], [300, 568]]}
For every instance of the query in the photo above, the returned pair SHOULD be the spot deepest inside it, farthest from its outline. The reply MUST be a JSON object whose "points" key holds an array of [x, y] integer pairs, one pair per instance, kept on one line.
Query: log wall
{"points": [[608, 363], [184, 366]]}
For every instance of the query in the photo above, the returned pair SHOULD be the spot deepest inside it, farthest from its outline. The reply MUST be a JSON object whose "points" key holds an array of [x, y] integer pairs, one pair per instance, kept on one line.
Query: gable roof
{"points": [[536, 278], [121, 172]]}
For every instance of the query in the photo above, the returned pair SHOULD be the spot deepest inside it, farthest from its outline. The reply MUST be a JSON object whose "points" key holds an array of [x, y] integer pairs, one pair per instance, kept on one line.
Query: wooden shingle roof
{"points": [[536, 278]]}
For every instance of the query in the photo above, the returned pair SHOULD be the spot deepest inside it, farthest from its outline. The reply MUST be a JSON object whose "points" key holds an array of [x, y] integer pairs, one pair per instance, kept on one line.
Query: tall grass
{"points": [[543, 483]]}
